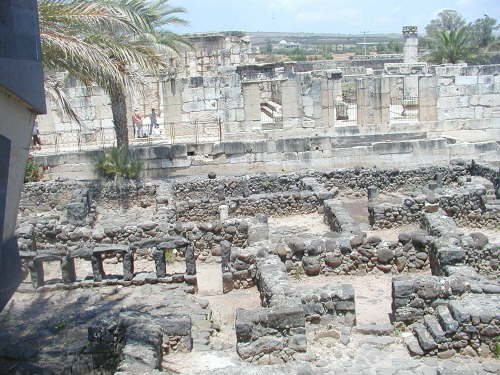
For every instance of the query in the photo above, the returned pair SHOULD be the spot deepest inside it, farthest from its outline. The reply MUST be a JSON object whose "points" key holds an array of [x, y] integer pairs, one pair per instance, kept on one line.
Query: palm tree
{"points": [[99, 41], [452, 46]]}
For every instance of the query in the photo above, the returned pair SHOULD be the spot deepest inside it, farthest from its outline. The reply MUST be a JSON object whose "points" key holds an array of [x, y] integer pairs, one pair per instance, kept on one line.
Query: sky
{"points": [[323, 16]]}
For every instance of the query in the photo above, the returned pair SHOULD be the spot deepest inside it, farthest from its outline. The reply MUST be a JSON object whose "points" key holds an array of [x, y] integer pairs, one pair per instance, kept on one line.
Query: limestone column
{"points": [[382, 101], [251, 97], [427, 98], [290, 102], [328, 101], [172, 109], [410, 49], [363, 101], [373, 99]]}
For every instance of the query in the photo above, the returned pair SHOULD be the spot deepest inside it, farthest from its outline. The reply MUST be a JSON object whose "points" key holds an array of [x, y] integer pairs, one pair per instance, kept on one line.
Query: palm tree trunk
{"points": [[119, 109]]}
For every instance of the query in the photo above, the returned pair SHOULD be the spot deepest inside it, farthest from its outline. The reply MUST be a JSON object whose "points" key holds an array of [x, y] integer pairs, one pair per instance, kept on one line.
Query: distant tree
{"points": [[452, 46], [394, 47], [482, 31], [268, 48], [381, 48], [447, 20]]}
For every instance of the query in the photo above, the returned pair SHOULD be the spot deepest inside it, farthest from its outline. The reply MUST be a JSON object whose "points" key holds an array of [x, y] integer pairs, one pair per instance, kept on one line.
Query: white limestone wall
{"points": [[468, 97]]}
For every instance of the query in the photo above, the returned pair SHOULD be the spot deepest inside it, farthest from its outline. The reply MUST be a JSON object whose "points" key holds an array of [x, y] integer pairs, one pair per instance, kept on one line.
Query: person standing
{"points": [[137, 122], [37, 144], [153, 121]]}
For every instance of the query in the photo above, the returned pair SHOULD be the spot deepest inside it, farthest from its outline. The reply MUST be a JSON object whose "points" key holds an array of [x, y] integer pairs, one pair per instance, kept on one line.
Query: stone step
{"points": [[434, 328], [448, 324], [413, 346], [424, 338]]}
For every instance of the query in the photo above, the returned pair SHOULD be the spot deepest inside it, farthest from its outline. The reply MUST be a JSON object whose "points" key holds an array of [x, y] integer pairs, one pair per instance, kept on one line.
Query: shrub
{"points": [[115, 163], [169, 256], [33, 171], [298, 272]]}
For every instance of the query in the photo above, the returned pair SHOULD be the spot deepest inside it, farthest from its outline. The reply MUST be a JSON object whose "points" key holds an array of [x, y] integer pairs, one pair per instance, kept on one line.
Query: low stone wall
{"points": [[453, 313], [467, 207], [328, 301], [278, 332], [276, 204], [136, 343], [207, 237], [452, 247], [358, 180], [225, 188], [338, 219], [350, 255]]}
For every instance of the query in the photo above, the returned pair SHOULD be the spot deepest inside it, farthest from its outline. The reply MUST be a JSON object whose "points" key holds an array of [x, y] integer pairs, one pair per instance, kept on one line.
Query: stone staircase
{"points": [[462, 325]]}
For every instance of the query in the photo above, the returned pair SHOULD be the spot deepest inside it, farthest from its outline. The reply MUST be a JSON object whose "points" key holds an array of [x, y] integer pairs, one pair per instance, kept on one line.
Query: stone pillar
{"points": [[438, 178], [226, 256], [190, 260], [372, 192], [36, 273], [190, 277], [172, 108], [427, 98], [410, 49], [160, 263], [68, 270], [290, 102], [373, 101], [128, 265], [251, 98], [97, 268], [221, 196], [328, 101], [227, 274], [224, 212]]}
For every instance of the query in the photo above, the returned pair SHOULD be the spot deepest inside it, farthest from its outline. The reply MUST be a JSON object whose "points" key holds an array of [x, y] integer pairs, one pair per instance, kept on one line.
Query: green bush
{"points": [[115, 163], [33, 171], [169, 256]]}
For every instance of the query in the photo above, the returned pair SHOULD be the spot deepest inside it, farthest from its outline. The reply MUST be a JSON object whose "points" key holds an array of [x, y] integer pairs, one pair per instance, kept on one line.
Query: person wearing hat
{"points": [[137, 122]]}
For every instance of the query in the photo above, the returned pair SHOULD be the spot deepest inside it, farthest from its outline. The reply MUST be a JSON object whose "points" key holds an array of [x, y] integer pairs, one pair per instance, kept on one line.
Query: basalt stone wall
{"points": [[452, 248], [278, 332], [416, 296], [487, 171], [46, 196], [333, 301], [350, 255], [357, 180], [276, 204], [279, 204], [237, 186], [56, 195], [207, 237], [467, 208], [137, 343]]}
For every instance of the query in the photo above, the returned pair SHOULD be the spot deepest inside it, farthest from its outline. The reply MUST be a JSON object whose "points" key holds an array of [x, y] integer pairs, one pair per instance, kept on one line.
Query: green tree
{"points": [[482, 31], [447, 20], [268, 48], [452, 46], [394, 47], [106, 42]]}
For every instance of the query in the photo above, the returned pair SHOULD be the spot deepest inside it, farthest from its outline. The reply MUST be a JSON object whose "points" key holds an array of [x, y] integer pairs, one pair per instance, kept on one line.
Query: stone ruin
{"points": [[444, 298]]}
